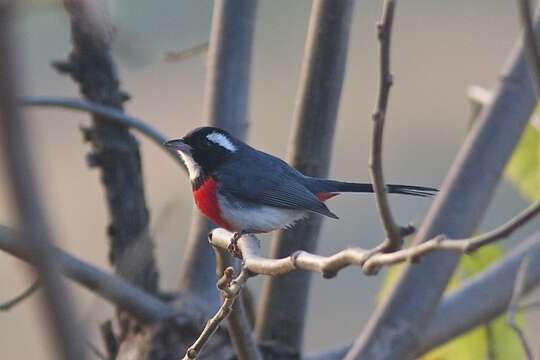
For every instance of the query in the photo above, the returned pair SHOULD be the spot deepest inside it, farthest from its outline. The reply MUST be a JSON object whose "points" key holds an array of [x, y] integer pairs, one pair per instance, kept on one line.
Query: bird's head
{"points": [[204, 149]]}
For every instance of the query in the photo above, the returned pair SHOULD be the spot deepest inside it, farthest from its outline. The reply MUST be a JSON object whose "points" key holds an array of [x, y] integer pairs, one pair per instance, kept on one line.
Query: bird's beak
{"points": [[178, 144]]}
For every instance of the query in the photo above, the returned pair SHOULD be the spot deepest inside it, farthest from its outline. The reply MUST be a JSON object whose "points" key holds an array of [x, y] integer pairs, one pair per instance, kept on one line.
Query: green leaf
{"points": [[494, 340], [523, 169]]}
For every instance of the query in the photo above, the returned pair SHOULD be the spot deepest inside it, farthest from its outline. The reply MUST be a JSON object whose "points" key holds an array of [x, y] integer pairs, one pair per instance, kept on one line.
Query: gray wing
{"points": [[264, 179]]}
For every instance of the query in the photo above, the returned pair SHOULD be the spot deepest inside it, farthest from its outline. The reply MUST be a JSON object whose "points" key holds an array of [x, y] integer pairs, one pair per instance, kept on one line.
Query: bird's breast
{"points": [[206, 199]]}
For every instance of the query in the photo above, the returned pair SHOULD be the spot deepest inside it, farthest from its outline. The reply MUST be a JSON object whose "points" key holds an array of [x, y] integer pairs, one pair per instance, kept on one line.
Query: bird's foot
{"points": [[233, 245]]}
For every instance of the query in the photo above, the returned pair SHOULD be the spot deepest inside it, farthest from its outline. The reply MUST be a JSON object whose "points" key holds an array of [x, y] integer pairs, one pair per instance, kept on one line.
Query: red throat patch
{"points": [[206, 200]]}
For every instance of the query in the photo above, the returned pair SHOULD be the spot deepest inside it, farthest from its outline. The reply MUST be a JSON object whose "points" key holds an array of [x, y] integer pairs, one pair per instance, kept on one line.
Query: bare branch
{"points": [[114, 149], [134, 300], [176, 56], [531, 47], [230, 287], [240, 330], [468, 305], [284, 300], [519, 286], [108, 113], [26, 201], [6, 306], [456, 212], [369, 262], [225, 106], [393, 232]]}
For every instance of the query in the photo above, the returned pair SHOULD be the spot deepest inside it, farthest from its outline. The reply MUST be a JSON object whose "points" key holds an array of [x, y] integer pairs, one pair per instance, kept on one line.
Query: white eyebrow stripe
{"points": [[222, 141]]}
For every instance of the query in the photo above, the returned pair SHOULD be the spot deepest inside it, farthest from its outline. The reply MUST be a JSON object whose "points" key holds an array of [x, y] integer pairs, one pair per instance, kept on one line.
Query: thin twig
{"points": [[370, 263], [519, 286], [108, 113], [176, 56], [531, 47], [119, 292], [230, 287], [6, 306], [393, 232], [239, 328]]}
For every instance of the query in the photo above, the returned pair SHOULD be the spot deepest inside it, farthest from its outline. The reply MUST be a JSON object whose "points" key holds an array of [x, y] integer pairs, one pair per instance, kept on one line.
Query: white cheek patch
{"points": [[194, 169], [221, 140]]}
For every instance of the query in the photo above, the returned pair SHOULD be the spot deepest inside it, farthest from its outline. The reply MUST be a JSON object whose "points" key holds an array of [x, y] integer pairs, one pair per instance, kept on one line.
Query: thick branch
{"points": [[128, 297], [468, 305], [519, 285], [284, 300], [26, 201], [225, 106], [392, 230], [108, 113], [115, 150], [531, 47], [399, 319]]}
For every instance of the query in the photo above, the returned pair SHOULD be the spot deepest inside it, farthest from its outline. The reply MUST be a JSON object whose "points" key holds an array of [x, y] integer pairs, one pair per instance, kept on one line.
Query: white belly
{"points": [[257, 218]]}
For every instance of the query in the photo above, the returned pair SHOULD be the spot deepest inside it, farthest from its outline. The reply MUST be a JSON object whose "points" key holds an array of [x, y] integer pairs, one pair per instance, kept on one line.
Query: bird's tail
{"points": [[321, 185]]}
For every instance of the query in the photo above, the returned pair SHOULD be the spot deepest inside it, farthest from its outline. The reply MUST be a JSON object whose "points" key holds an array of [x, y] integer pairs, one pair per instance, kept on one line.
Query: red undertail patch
{"points": [[326, 196], [207, 202]]}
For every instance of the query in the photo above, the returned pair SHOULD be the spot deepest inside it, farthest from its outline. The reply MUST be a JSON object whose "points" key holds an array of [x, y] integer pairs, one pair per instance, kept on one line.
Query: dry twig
{"points": [[370, 263], [519, 287], [6, 306], [394, 234], [230, 287], [108, 113]]}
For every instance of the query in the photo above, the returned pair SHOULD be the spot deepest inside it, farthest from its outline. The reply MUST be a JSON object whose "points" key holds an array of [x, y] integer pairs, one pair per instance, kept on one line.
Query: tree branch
{"points": [[225, 106], [230, 287], [531, 47], [395, 324], [240, 330], [128, 297], [519, 285], [114, 150], [370, 263], [57, 304], [394, 233], [284, 300], [108, 113], [7, 305], [468, 305]]}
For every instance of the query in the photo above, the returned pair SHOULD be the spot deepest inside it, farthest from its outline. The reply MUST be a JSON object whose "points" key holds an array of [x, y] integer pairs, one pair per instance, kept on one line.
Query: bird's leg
{"points": [[233, 245]]}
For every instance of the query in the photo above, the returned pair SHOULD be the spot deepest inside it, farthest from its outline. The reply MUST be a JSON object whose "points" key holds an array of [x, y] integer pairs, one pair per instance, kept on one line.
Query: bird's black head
{"points": [[204, 150]]}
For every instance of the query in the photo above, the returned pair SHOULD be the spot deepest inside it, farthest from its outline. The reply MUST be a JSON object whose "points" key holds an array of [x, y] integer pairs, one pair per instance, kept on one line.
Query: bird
{"points": [[248, 191]]}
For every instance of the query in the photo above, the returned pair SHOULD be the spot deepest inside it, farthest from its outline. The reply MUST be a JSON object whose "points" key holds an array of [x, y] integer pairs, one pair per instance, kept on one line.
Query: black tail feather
{"points": [[320, 185]]}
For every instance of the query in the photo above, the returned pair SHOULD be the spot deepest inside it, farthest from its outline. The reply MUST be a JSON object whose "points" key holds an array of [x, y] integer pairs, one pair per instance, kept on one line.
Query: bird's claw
{"points": [[233, 246]]}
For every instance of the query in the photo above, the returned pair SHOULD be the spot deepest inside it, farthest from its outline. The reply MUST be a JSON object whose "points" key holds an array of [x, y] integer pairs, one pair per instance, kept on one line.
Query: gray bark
{"points": [[226, 106], [35, 235], [284, 299], [115, 150], [395, 329]]}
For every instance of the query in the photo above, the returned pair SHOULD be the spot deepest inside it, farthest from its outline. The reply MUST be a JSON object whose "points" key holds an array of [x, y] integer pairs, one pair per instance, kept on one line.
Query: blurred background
{"points": [[439, 48]]}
